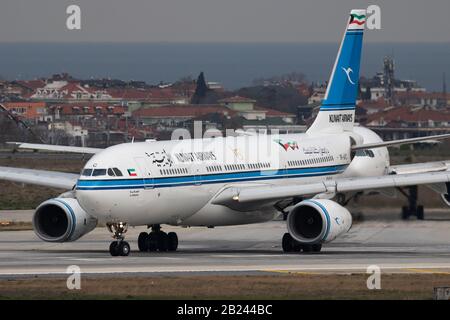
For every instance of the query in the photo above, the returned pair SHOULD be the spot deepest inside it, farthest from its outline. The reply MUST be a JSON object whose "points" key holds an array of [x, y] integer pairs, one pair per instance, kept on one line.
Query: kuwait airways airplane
{"points": [[244, 179]]}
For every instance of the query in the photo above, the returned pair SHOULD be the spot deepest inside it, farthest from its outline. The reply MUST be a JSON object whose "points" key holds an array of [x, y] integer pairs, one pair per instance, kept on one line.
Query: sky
{"points": [[219, 20]]}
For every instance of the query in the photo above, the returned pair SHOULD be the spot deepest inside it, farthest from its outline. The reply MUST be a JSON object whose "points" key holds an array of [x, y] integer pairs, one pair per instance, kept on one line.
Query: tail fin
{"points": [[337, 111]]}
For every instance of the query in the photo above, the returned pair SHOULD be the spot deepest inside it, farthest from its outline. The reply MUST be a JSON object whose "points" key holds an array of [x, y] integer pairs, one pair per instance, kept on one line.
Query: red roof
{"points": [[182, 111], [274, 113], [420, 95], [88, 108], [237, 99], [31, 84], [144, 94], [374, 104], [407, 114]]}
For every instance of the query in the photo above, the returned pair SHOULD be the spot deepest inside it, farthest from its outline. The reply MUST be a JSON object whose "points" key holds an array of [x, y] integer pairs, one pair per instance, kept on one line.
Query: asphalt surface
{"points": [[395, 246]]}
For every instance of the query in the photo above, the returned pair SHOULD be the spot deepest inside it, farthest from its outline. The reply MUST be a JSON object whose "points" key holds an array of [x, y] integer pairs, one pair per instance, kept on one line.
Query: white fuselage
{"points": [[173, 182]]}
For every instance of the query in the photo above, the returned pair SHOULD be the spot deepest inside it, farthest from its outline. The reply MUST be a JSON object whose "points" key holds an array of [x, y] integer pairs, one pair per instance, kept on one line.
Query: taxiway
{"points": [[395, 246]]}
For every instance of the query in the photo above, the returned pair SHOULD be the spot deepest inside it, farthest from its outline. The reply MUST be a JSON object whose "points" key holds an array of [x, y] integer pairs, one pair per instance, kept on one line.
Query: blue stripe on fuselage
{"points": [[164, 182]]}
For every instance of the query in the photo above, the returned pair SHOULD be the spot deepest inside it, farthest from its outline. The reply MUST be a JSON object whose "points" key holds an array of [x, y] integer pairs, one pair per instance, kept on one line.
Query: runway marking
{"points": [[307, 270], [427, 271], [291, 272]]}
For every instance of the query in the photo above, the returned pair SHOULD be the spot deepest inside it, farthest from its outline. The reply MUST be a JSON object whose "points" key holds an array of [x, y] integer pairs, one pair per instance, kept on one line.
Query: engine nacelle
{"points": [[318, 221], [446, 196], [62, 220]]}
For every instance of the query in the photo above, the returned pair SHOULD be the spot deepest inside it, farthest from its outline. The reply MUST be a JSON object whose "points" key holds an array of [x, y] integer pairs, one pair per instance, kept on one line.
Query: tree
{"points": [[201, 90]]}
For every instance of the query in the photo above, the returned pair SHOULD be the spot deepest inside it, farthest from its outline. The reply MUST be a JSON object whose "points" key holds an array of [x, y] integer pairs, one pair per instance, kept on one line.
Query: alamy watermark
{"points": [[74, 279], [73, 20], [374, 280], [373, 20]]}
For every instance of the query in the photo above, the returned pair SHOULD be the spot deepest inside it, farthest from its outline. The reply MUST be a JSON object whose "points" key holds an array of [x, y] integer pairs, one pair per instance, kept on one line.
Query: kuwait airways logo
{"points": [[356, 19], [287, 145], [347, 72]]}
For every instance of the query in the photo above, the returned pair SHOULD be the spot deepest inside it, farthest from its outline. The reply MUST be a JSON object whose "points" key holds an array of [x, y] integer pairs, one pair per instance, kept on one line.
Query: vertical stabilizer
{"points": [[337, 112]]}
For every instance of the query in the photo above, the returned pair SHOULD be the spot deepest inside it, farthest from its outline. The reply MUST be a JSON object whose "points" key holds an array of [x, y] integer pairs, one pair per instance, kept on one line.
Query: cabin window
{"points": [[370, 153]]}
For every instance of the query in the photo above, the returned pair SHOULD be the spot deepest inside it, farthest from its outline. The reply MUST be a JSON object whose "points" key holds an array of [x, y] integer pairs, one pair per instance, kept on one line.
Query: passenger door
{"points": [[145, 172]]}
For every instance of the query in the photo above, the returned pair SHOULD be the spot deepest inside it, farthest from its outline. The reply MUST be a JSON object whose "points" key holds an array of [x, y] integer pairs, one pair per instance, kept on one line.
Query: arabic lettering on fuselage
{"points": [[195, 156], [160, 158], [315, 150]]}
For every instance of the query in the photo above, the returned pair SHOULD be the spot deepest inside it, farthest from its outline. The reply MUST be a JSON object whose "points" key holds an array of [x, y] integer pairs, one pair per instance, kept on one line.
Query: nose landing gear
{"points": [[157, 240], [119, 247]]}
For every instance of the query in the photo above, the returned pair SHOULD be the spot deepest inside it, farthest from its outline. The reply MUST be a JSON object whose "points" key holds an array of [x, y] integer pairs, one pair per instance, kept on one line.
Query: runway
{"points": [[394, 246]]}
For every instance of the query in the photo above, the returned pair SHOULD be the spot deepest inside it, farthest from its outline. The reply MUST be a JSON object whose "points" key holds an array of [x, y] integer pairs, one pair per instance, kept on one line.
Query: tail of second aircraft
{"points": [[337, 112]]}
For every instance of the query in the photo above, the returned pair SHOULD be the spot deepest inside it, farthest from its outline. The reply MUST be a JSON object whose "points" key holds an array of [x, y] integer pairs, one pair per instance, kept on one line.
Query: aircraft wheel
{"points": [[287, 243], [152, 241], [123, 248], [143, 241], [163, 241], [420, 213], [316, 247], [307, 248], [405, 213], [172, 241], [113, 249]]}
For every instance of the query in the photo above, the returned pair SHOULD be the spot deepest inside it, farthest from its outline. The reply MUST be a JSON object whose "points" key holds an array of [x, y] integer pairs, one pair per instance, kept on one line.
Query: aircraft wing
{"points": [[54, 179], [51, 147], [400, 142], [241, 198], [420, 167]]}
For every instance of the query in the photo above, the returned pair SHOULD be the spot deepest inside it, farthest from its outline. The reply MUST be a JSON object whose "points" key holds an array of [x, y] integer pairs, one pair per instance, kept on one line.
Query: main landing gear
{"points": [[157, 240], [289, 244], [413, 209], [119, 247]]}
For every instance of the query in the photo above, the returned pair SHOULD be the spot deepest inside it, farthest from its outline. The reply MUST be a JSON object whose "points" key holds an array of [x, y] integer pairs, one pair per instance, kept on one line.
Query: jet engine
{"points": [[318, 221], [62, 220]]}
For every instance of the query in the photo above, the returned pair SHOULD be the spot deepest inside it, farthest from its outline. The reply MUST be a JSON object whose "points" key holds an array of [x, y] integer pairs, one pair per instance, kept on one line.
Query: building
{"points": [[407, 122], [63, 90], [247, 109], [373, 106], [85, 110], [31, 111], [174, 115], [317, 95], [423, 99]]}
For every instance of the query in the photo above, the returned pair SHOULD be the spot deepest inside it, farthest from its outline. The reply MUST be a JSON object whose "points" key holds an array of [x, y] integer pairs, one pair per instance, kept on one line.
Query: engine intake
{"points": [[61, 220], [318, 221]]}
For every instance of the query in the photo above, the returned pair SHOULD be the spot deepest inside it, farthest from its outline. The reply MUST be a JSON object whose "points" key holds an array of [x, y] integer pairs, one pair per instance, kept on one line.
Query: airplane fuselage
{"points": [[173, 182]]}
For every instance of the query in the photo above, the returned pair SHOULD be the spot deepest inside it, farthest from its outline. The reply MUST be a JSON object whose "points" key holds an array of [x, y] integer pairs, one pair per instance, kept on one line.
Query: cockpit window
{"points": [[111, 172], [365, 153], [117, 172], [87, 172], [99, 172]]}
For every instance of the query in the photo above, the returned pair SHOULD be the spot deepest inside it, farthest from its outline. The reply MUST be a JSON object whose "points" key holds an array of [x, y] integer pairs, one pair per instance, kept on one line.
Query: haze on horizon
{"points": [[218, 20]]}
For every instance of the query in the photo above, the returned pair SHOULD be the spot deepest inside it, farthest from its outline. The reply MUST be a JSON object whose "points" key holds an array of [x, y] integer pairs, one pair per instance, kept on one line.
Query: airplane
{"points": [[233, 180]]}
